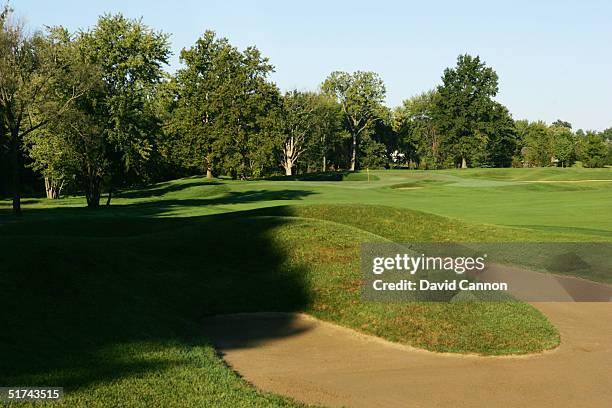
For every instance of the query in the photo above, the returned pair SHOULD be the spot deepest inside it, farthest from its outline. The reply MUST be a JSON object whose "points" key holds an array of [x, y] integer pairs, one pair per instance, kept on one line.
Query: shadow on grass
{"points": [[161, 189], [110, 216], [110, 282], [232, 197]]}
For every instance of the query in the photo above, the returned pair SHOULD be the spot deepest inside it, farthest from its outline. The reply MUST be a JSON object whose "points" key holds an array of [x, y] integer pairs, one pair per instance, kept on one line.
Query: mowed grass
{"points": [[533, 199], [107, 303], [558, 201]]}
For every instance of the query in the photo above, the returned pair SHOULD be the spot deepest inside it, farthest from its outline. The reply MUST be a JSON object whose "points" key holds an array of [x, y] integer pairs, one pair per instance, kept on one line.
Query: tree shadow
{"points": [[153, 208], [115, 279], [232, 197], [239, 331], [161, 189]]}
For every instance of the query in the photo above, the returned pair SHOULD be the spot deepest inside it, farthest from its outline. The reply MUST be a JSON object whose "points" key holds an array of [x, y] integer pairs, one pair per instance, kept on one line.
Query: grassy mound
{"points": [[332, 253], [420, 184]]}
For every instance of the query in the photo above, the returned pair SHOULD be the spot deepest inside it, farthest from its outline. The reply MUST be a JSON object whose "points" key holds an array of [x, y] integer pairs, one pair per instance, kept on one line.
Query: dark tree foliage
{"points": [[221, 100], [475, 129]]}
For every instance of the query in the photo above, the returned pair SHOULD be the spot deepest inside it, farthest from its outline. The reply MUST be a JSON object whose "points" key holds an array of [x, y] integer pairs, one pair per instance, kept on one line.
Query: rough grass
{"points": [[334, 280]]}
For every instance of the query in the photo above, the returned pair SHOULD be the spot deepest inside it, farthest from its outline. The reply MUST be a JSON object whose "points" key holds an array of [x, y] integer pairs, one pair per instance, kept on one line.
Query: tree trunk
{"points": [[93, 193], [48, 191], [354, 153], [463, 163], [53, 189], [324, 163], [288, 167], [109, 198], [209, 173], [16, 164], [289, 154]]}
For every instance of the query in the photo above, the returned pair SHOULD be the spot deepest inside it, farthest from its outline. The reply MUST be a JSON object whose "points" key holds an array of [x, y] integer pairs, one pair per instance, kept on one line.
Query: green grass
{"points": [[538, 174], [109, 301], [328, 176]]}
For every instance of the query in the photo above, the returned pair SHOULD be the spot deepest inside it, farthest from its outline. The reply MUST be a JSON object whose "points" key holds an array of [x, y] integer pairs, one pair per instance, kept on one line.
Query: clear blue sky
{"points": [[554, 58]]}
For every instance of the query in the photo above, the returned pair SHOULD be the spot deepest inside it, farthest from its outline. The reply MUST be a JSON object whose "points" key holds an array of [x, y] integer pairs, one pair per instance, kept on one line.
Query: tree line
{"points": [[95, 111]]}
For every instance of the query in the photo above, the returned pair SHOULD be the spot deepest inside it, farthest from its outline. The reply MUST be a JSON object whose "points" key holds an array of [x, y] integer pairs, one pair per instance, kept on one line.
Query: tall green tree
{"points": [[328, 134], [593, 150], [53, 156], [298, 125], [499, 131], [31, 66], [361, 95], [563, 143], [49, 151], [463, 110], [378, 146], [223, 100], [418, 131], [310, 126], [538, 148], [113, 124]]}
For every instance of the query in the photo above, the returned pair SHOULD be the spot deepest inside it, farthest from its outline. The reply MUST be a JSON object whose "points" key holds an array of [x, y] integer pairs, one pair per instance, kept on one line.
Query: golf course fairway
{"points": [[121, 295]]}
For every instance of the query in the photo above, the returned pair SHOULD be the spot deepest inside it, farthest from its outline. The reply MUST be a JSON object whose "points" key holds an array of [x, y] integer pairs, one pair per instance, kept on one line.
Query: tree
{"points": [[223, 99], [247, 110], [360, 95], [298, 110], [463, 110], [563, 143], [31, 67], [538, 149], [501, 138], [54, 157], [310, 124], [418, 132], [593, 150], [201, 85], [562, 123], [374, 153], [112, 125], [328, 132], [544, 145]]}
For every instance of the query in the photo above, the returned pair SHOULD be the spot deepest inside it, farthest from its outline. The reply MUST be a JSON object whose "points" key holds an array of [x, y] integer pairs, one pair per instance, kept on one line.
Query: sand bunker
{"points": [[319, 362]]}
